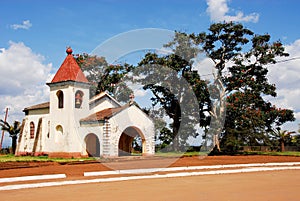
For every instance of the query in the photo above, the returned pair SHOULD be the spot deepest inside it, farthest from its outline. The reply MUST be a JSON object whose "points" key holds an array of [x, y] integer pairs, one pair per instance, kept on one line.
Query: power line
{"points": [[279, 61], [285, 60]]}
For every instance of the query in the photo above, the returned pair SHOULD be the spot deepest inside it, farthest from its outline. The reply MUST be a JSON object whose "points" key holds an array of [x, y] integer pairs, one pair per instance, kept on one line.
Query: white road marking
{"points": [[170, 175], [151, 170], [36, 177]]}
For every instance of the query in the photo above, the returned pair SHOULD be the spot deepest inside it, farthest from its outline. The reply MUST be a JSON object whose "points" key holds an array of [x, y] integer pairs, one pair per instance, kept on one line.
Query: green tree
{"points": [[249, 120], [177, 88], [240, 59], [104, 76], [282, 136], [295, 139], [13, 131]]}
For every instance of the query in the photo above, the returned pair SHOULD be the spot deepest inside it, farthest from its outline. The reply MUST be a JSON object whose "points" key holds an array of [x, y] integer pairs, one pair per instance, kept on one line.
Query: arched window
{"points": [[59, 130], [59, 134], [48, 134], [31, 130], [78, 98], [60, 97]]}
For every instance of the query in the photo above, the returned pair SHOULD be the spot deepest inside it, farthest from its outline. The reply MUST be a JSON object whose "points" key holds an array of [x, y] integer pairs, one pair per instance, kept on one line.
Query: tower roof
{"points": [[69, 70]]}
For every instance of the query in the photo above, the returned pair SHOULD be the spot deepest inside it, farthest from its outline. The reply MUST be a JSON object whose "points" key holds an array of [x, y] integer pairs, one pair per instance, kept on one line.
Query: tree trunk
{"points": [[175, 138], [282, 146], [14, 144], [176, 126], [217, 142]]}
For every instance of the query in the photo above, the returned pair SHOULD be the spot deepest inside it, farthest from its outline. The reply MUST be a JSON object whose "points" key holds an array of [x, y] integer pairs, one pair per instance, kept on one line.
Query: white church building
{"points": [[72, 124]]}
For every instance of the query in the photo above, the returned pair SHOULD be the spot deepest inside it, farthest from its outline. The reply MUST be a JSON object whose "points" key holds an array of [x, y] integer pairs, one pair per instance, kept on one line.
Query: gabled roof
{"points": [[69, 70], [38, 106], [101, 95], [104, 114]]}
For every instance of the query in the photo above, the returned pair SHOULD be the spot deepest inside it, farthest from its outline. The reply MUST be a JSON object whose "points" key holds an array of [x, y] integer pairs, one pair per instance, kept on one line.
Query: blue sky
{"points": [[34, 35], [84, 25]]}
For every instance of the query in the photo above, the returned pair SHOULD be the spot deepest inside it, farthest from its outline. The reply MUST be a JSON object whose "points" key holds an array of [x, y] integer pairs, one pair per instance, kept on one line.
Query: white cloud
{"points": [[23, 78], [205, 67], [218, 11], [25, 25], [286, 72], [297, 115], [164, 51], [140, 92], [285, 75]]}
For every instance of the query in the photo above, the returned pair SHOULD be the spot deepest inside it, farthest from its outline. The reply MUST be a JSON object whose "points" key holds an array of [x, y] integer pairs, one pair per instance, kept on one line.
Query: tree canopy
{"points": [[104, 76], [241, 59], [177, 88], [232, 109]]}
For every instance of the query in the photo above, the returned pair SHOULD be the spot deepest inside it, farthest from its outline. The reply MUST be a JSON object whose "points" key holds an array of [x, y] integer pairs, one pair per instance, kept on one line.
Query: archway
{"points": [[130, 138], [92, 145]]}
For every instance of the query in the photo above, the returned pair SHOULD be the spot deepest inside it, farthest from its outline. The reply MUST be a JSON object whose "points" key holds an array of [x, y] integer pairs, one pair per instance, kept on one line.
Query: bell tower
{"points": [[69, 102]]}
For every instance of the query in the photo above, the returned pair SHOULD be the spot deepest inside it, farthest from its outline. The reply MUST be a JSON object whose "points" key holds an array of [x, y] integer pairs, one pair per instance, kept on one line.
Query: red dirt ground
{"points": [[76, 169], [259, 186]]}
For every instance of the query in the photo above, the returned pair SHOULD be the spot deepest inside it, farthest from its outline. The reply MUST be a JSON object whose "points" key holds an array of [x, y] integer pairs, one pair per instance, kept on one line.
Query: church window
{"points": [[59, 130], [78, 98], [48, 134], [58, 134], [60, 97], [31, 130]]}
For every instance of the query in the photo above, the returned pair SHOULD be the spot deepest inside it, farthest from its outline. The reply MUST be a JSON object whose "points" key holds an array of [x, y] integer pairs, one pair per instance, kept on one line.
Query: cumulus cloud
{"points": [[25, 25], [23, 78], [285, 75], [140, 92], [205, 68], [218, 11]]}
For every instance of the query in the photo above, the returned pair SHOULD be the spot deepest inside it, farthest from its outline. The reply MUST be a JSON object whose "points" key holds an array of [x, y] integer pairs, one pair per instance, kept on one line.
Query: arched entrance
{"points": [[92, 145], [131, 138]]}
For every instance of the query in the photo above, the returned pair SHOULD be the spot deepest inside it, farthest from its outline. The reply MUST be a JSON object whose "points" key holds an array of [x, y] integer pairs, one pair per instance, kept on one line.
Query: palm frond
{"points": [[13, 130]]}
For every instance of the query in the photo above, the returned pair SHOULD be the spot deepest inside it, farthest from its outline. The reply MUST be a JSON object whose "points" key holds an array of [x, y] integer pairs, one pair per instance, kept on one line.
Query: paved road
{"points": [[271, 185]]}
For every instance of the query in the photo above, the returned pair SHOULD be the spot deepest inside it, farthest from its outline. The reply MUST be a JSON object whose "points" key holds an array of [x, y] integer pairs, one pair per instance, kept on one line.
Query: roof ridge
{"points": [[38, 106]]}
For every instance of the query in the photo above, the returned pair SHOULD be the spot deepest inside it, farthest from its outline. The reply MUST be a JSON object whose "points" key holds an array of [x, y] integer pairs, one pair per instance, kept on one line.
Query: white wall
{"points": [[104, 103], [68, 118], [132, 117], [26, 143]]}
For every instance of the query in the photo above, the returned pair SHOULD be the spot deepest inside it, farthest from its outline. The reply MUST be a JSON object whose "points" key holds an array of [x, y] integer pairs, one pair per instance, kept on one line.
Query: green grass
{"points": [[285, 153], [188, 154], [179, 154], [12, 158]]}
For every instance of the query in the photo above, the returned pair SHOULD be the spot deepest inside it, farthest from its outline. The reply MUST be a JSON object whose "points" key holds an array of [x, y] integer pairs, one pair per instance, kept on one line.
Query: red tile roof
{"points": [[38, 106], [103, 114], [69, 70]]}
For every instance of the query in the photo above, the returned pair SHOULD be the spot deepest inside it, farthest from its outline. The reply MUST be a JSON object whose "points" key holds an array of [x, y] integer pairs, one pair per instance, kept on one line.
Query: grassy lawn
{"points": [[12, 158], [188, 154], [285, 153], [179, 154]]}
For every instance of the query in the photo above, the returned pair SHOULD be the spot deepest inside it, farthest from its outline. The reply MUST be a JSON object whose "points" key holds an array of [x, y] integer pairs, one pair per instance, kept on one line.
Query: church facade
{"points": [[72, 124]]}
